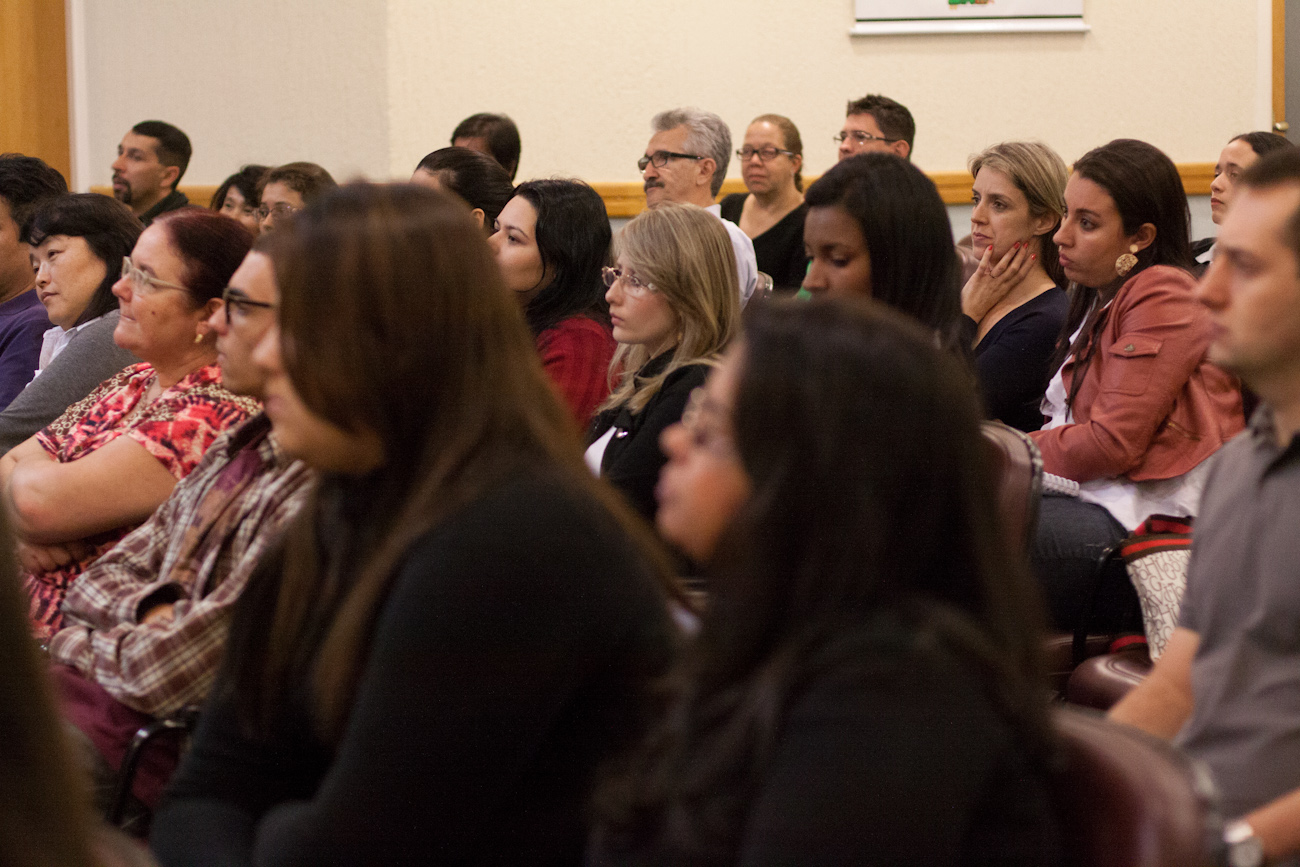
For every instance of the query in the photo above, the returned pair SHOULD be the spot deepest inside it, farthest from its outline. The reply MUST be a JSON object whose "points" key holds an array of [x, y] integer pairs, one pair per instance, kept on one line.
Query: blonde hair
{"points": [[1039, 173], [684, 252]]}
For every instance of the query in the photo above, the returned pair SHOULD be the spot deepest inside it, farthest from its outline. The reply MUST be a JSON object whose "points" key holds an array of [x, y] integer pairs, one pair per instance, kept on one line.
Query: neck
{"points": [[700, 197], [11, 289], [1283, 398], [173, 370], [782, 200], [142, 206]]}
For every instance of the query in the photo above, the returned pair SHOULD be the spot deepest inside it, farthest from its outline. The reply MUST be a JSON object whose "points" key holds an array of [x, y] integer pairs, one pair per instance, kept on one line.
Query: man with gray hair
{"points": [[686, 162]]}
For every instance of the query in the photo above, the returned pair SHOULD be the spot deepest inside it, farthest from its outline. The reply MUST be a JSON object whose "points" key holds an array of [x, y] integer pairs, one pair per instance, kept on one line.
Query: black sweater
{"points": [[508, 660]]}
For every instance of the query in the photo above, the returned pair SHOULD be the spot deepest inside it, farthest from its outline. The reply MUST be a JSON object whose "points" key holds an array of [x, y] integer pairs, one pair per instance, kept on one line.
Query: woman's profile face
{"points": [[514, 241], [1091, 237], [640, 316], [840, 263], [237, 208], [703, 485], [1000, 215], [303, 434], [771, 175], [67, 274], [158, 322]]}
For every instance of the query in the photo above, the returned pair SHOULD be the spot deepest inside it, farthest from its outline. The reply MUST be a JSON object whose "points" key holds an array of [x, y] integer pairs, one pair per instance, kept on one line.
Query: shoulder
{"points": [[733, 205], [688, 376], [575, 329], [1158, 281], [203, 388]]}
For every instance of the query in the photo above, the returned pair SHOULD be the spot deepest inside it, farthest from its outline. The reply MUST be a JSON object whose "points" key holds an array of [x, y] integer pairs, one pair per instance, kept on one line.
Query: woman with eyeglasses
{"points": [[77, 243], [78, 486], [865, 687], [551, 241], [673, 304], [772, 213], [289, 188], [237, 196]]}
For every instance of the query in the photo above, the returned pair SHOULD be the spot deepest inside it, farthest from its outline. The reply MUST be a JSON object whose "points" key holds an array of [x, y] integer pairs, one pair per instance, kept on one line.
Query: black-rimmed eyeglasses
{"points": [[861, 137], [765, 154], [661, 158], [236, 301]]}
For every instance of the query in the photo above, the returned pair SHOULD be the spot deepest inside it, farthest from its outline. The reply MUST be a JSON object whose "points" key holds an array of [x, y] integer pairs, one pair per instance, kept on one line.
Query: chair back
{"points": [[1127, 799], [1018, 474]]}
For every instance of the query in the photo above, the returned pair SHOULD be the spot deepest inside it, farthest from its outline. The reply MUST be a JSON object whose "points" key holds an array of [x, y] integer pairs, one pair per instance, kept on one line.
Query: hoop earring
{"points": [[1126, 261]]}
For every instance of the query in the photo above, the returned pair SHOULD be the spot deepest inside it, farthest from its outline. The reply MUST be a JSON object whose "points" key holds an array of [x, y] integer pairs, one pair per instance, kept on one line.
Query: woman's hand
{"points": [[991, 282], [48, 558]]}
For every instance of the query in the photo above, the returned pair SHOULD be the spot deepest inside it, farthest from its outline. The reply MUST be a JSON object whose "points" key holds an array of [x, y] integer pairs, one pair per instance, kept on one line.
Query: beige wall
{"points": [[372, 85]]}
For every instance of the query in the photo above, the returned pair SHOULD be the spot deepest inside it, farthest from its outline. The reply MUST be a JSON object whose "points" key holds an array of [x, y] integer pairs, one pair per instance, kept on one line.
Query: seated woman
{"points": [[81, 484], [772, 213], [876, 227], [673, 302], [289, 188], [1237, 155], [1134, 408], [475, 178], [456, 548], [1014, 299], [237, 196], [551, 241], [865, 687], [77, 243]]}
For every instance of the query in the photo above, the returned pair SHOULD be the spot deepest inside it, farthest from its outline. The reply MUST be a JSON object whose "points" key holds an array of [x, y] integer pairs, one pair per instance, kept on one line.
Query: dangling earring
{"points": [[198, 338], [1126, 261]]}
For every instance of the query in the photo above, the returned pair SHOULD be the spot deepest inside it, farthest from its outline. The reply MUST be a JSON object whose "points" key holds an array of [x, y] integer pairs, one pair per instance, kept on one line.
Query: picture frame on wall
{"points": [[888, 17]]}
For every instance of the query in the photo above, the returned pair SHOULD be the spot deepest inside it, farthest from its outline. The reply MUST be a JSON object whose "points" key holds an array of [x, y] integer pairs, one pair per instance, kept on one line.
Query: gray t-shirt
{"points": [[1243, 600]]}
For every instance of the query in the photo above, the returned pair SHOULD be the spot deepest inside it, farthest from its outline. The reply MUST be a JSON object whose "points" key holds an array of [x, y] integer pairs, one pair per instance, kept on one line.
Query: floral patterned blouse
{"points": [[176, 428]]}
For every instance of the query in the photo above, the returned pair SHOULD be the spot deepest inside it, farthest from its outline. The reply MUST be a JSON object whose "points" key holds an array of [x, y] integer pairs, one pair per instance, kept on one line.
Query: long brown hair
{"points": [[44, 807], [395, 323]]}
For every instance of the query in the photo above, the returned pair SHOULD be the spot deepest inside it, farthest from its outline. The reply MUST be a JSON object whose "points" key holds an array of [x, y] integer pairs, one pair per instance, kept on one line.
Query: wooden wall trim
{"points": [[1279, 65], [627, 199], [34, 79]]}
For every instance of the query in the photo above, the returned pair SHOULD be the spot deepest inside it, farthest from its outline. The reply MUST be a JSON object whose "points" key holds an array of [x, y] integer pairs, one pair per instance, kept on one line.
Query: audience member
{"points": [[865, 688], [77, 245], [672, 313], [1237, 156], [237, 196], [551, 241], [877, 227], [81, 484], [462, 624], [876, 124], [686, 162], [150, 162], [1227, 687], [1134, 408], [25, 183], [145, 625], [1015, 299], [475, 179], [493, 134], [289, 188], [772, 213]]}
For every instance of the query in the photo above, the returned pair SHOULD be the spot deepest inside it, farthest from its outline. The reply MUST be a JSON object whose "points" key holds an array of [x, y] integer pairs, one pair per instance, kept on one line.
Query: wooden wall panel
{"points": [[34, 81]]}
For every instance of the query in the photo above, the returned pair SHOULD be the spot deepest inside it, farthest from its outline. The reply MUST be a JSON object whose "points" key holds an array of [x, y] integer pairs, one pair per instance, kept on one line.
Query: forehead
{"points": [[669, 140], [832, 225], [146, 143], [1258, 220], [1237, 153], [519, 212], [1083, 194], [255, 277], [279, 191], [996, 182], [764, 132], [864, 122]]}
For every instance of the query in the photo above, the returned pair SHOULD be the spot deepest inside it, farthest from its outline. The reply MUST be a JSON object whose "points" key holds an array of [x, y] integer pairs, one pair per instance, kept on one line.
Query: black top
{"points": [[508, 660], [1011, 361], [174, 201], [632, 458], [897, 759], [779, 250]]}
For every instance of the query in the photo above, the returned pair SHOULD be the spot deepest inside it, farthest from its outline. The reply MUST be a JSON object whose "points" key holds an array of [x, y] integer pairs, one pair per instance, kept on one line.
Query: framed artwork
{"points": [[968, 16]]}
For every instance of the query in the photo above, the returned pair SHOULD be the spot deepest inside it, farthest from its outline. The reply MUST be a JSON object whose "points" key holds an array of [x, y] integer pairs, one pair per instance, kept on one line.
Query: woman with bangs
{"points": [[673, 305], [463, 622]]}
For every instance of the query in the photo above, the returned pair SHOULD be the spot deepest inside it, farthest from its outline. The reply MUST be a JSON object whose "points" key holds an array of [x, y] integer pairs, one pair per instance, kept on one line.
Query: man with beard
{"points": [[150, 162], [686, 162]]}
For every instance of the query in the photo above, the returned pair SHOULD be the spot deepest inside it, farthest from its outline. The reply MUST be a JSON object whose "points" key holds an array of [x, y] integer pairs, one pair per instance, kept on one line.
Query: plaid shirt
{"points": [[196, 552]]}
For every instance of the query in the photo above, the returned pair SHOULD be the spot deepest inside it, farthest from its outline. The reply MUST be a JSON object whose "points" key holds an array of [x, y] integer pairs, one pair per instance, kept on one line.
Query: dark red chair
{"points": [[1100, 682]]}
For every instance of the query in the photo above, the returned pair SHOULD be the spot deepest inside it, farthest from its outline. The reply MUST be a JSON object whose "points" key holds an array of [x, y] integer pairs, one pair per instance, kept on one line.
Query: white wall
{"points": [[372, 85]]}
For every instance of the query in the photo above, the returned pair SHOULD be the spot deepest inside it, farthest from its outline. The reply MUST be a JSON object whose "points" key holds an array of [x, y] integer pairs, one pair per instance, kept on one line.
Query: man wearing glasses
{"points": [[146, 623], [686, 162], [876, 123]]}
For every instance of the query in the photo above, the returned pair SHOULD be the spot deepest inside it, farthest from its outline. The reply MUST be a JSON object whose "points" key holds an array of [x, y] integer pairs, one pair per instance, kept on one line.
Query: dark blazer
{"points": [[632, 459]]}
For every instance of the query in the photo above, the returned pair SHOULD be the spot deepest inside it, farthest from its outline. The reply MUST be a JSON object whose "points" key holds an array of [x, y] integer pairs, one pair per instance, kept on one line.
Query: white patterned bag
{"points": [[1156, 556]]}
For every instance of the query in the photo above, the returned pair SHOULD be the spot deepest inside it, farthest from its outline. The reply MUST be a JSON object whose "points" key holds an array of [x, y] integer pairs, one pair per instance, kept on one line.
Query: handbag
{"points": [[1156, 556]]}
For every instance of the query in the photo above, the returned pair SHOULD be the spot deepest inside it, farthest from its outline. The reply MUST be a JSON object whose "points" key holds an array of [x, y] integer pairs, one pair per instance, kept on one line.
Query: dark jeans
{"points": [[1072, 537]]}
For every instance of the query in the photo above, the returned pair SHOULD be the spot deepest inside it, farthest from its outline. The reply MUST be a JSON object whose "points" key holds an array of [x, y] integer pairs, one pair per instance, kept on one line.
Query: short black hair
{"points": [[173, 145], [893, 118], [26, 182], [246, 180], [477, 178], [500, 133], [1263, 143]]}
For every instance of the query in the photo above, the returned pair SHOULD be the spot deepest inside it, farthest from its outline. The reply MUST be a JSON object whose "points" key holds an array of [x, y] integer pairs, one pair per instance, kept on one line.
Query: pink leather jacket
{"points": [[1150, 405]]}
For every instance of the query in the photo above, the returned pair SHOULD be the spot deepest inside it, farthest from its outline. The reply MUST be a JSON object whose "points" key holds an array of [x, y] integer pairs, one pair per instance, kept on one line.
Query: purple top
{"points": [[22, 325]]}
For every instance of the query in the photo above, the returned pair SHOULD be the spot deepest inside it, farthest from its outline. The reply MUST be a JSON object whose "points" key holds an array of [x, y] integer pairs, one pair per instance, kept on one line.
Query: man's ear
{"points": [[704, 171], [171, 174], [902, 148]]}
